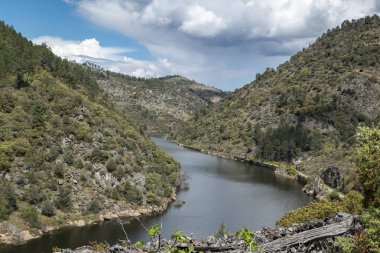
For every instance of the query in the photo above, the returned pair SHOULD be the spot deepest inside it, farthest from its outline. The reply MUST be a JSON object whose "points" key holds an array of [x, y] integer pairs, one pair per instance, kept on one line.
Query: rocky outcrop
{"points": [[315, 236], [332, 177]]}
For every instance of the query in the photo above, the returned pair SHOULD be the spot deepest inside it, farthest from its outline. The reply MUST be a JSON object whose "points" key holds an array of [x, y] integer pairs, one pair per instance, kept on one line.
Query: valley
{"points": [[78, 148]]}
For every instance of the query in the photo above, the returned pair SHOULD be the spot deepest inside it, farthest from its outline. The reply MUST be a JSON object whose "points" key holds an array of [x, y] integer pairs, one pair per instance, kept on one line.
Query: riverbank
{"points": [[313, 186], [11, 234]]}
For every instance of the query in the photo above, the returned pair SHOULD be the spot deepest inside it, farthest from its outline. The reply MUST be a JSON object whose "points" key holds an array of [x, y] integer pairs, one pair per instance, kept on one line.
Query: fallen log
{"points": [[309, 236]]}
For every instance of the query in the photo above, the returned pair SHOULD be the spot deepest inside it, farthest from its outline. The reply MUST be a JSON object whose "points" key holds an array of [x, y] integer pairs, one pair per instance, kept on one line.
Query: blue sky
{"points": [[222, 43]]}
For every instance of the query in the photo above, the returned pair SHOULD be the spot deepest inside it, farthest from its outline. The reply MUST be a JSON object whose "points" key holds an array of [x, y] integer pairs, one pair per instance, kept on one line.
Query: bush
{"points": [[8, 202], [371, 220], [94, 206], [111, 165], [352, 203], [30, 215], [47, 208], [63, 201], [4, 163], [34, 195], [132, 194], [368, 153]]}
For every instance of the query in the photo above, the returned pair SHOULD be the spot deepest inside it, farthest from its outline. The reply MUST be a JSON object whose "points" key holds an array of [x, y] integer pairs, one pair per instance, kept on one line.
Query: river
{"points": [[238, 194]]}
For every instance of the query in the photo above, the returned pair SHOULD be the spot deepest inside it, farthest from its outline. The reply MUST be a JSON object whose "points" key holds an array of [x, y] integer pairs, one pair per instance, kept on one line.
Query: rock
{"points": [[75, 181], [24, 236], [60, 181], [109, 216], [179, 203], [8, 177], [302, 178], [79, 223], [211, 239], [332, 177]]}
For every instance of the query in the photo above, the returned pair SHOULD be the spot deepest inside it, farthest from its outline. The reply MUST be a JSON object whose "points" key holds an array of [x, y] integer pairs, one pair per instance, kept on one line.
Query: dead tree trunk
{"points": [[309, 235]]}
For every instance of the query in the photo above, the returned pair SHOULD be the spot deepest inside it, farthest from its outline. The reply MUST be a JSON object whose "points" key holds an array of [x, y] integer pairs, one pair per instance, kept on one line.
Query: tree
{"points": [[368, 161]]}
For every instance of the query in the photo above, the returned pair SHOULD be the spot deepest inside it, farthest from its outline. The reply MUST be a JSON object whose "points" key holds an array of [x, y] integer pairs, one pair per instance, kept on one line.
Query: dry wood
{"points": [[309, 235]]}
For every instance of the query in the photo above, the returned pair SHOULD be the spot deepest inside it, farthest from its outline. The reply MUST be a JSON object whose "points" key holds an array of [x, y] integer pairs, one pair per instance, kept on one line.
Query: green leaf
{"points": [[140, 243], [155, 230]]}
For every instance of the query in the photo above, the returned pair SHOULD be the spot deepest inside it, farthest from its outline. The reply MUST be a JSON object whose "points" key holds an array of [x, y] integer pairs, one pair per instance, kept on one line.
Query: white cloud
{"points": [[107, 57], [215, 41], [202, 23], [76, 50]]}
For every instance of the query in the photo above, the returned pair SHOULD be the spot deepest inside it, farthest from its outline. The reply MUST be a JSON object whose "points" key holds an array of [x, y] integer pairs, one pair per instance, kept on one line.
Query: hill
{"points": [[305, 112], [159, 105], [66, 150]]}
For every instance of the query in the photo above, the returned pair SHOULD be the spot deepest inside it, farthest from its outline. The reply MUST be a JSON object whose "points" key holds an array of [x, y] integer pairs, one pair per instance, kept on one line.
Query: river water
{"points": [[238, 194]]}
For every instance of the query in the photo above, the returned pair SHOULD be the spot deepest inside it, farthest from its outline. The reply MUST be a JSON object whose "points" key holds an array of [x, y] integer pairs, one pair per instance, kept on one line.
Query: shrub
{"points": [[30, 215], [4, 163], [368, 153], [63, 201], [47, 208], [34, 195], [371, 220], [8, 202], [111, 165], [132, 194], [352, 203], [94, 206]]}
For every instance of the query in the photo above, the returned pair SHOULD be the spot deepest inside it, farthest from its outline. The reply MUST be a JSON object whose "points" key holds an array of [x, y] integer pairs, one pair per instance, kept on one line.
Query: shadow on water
{"points": [[238, 194]]}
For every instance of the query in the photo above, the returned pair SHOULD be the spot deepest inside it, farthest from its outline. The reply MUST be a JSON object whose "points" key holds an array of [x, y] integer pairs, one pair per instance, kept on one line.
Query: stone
{"points": [[302, 178], [211, 239], [332, 177], [60, 181], [8, 177], [79, 223]]}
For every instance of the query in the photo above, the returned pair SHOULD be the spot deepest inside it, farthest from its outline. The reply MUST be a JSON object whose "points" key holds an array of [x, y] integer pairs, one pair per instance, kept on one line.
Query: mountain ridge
{"points": [[304, 112]]}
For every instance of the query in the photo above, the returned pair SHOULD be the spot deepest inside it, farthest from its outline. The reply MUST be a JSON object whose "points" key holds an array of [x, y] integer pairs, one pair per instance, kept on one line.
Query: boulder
{"points": [[332, 177]]}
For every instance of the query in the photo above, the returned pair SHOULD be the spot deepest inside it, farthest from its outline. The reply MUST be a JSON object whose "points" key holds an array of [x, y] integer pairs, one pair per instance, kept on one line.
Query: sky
{"points": [[221, 43]]}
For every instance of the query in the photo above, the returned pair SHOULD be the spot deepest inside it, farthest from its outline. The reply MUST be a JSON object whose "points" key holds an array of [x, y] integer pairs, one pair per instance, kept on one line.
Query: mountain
{"points": [[66, 150], [158, 104], [306, 111]]}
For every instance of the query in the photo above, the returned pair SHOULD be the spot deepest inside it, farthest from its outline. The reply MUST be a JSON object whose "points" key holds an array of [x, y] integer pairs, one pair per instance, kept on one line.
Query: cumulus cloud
{"points": [[202, 23], [75, 50], [232, 37], [110, 58]]}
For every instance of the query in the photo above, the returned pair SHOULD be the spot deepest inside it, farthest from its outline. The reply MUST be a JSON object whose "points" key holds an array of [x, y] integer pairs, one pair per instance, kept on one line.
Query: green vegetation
{"points": [[247, 236], [306, 110], [368, 154], [8, 202], [352, 203], [367, 240], [61, 136], [284, 143], [30, 215], [160, 105]]}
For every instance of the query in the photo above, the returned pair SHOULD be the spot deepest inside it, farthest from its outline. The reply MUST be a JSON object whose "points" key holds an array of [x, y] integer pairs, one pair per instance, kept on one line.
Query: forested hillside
{"points": [[159, 105], [66, 150], [307, 110]]}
